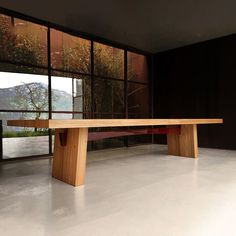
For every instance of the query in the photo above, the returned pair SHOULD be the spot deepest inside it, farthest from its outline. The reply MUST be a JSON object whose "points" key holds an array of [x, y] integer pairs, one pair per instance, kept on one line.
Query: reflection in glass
{"points": [[25, 88], [138, 99], [139, 139], [138, 108], [137, 67], [22, 41], [108, 61], [108, 96], [108, 142], [69, 53], [7, 67]]}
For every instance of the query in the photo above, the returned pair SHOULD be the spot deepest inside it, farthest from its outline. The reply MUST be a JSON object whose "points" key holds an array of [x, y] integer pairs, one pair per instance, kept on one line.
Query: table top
{"points": [[95, 123]]}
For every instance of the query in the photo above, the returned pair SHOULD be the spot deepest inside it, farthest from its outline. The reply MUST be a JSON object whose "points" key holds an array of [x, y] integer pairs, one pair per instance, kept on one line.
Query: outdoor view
{"points": [[73, 89]]}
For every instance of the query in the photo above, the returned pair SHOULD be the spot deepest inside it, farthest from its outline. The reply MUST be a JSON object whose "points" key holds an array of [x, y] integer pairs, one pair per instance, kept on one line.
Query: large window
{"points": [[108, 89], [71, 93], [22, 41], [70, 53], [108, 97], [137, 67], [108, 61], [23, 96], [46, 73]]}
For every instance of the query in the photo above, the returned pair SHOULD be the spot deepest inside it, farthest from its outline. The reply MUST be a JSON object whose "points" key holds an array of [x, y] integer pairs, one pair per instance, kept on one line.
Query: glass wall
{"points": [[108, 61], [23, 85], [138, 92], [46, 73], [108, 89], [70, 53]]}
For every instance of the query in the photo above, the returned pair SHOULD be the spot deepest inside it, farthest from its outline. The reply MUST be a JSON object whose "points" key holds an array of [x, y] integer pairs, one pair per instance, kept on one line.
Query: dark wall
{"points": [[199, 81]]}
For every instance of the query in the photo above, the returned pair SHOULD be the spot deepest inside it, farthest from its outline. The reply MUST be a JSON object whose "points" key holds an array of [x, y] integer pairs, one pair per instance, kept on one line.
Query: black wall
{"points": [[199, 81]]}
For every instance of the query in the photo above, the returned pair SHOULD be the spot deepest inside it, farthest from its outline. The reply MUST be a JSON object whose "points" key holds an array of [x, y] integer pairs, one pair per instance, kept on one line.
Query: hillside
{"points": [[9, 100]]}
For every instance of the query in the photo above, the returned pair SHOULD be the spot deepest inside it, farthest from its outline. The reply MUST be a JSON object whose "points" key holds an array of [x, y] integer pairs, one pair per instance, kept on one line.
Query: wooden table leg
{"points": [[69, 159], [185, 144]]}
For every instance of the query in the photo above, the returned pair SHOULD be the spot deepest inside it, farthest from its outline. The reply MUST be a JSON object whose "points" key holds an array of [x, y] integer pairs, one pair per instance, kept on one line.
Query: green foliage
{"points": [[109, 96], [7, 38], [74, 56], [23, 46], [19, 47], [108, 61], [14, 134]]}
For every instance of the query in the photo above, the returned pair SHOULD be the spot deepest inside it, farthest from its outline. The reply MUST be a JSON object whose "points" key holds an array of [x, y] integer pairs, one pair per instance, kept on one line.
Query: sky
{"points": [[8, 80]]}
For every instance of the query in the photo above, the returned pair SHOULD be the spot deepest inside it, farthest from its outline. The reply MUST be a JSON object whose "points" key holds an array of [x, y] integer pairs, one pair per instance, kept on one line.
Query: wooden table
{"points": [[70, 149]]}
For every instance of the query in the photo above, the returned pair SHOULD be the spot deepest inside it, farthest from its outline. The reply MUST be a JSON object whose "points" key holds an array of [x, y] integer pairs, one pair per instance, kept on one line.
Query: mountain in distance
{"points": [[62, 100]]}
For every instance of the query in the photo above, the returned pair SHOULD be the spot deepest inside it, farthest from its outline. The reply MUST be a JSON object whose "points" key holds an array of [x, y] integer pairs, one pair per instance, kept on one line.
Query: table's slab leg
{"points": [[69, 159], [185, 144]]}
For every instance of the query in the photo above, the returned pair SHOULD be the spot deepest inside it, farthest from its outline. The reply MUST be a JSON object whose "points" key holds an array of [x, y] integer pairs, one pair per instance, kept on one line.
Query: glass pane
{"points": [[70, 115], [71, 92], [108, 96], [22, 41], [108, 142], [139, 139], [108, 61], [21, 91], [138, 99], [18, 141], [70, 53], [6, 67], [137, 67], [62, 115]]}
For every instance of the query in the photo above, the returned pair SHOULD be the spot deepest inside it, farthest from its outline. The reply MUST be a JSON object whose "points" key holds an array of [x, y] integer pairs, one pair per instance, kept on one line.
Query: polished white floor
{"points": [[128, 192]]}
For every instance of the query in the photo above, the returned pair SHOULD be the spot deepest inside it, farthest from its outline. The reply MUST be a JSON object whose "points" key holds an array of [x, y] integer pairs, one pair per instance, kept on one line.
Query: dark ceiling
{"points": [[151, 25]]}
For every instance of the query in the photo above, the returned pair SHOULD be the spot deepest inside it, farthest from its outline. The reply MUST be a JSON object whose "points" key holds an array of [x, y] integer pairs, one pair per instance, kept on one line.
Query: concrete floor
{"points": [[25, 146], [128, 192]]}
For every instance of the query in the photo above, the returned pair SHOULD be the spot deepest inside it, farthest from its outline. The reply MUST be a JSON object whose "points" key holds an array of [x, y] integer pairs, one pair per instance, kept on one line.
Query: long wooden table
{"points": [[70, 149]]}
